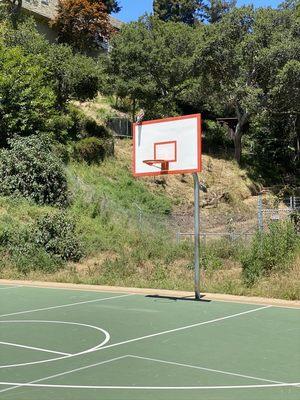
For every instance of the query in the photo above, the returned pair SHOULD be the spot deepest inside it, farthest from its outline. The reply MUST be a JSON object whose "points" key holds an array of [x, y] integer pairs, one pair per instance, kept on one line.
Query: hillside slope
{"points": [[129, 228]]}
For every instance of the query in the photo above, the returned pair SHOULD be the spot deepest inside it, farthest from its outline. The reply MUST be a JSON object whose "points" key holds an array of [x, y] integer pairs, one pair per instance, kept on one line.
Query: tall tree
{"points": [[214, 10], [112, 6], [27, 101], [186, 11], [152, 64], [82, 23], [11, 9]]}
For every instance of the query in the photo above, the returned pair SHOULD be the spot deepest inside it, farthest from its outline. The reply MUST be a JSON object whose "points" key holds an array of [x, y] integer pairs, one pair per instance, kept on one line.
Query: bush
{"points": [[56, 233], [30, 169], [83, 126], [27, 101], [269, 251], [295, 218], [216, 135], [91, 150], [27, 257]]}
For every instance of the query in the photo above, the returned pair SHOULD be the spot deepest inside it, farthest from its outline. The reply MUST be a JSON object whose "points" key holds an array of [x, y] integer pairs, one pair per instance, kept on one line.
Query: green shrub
{"points": [[269, 251], [27, 101], [216, 134], [27, 257], [30, 169], [56, 233], [295, 218], [91, 150], [72, 124]]}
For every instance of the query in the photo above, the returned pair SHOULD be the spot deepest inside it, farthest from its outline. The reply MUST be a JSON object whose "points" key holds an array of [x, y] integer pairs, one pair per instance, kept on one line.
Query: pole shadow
{"points": [[175, 298]]}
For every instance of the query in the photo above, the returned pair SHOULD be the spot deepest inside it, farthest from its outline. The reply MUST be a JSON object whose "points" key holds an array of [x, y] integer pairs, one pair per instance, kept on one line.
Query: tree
{"points": [[214, 10], [240, 56], [191, 11], [152, 64], [72, 76], [26, 100], [186, 11], [226, 60], [112, 6], [277, 123], [83, 24], [11, 9]]}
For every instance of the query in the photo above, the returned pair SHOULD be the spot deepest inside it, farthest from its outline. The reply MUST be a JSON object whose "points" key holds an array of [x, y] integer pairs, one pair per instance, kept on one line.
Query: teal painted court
{"points": [[78, 344]]}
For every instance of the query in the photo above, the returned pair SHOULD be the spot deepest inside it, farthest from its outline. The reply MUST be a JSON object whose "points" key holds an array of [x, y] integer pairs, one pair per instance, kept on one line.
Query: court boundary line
{"points": [[153, 335], [34, 383], [90, 350], [87, 387], [206, 369], [65, 305], [184, 327], [218, 297], [34, 348], [64, 373]]}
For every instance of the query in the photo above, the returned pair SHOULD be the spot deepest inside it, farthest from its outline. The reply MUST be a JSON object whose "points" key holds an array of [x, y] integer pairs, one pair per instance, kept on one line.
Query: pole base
{"points": [[197, 296]]}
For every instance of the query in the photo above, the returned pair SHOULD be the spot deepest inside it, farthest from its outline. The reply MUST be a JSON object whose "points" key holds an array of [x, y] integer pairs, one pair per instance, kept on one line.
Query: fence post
{"points": [[291, 203], [260, 213]]}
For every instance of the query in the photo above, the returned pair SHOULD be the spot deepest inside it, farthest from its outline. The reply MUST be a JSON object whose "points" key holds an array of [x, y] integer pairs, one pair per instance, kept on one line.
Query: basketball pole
{"points": [[197, 235]]}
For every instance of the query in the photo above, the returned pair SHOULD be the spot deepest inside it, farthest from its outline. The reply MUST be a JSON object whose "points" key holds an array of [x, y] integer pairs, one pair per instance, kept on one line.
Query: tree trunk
{"points": [[237, 134], [133, 109], [238, 147]]}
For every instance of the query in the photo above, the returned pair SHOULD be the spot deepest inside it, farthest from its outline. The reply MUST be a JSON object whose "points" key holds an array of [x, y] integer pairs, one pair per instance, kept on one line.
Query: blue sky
{"points": [[133, 9]]}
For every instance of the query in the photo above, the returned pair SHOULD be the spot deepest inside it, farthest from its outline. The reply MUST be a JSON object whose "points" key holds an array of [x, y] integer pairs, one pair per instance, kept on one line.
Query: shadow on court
{"points": [[174, 298]]}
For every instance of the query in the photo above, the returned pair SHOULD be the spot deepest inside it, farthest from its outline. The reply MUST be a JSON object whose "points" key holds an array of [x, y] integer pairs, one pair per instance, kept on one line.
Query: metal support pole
{"points": [[260, 213], [197, 235]]}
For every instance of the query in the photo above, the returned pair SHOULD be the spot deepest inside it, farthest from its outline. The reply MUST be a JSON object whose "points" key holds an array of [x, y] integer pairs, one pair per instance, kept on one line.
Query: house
{"points": [[45, 10]]}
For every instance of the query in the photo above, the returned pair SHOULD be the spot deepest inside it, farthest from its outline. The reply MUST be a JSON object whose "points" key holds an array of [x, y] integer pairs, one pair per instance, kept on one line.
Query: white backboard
{"points": [[175, 143]]}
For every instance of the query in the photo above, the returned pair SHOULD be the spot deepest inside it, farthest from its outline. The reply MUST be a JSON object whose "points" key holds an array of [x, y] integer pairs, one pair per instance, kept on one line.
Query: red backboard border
{"points": [[157, 121]]}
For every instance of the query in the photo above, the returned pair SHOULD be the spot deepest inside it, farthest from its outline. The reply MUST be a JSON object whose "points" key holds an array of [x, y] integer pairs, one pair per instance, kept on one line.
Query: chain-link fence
{"points": [[276, 208], [214, 223]]}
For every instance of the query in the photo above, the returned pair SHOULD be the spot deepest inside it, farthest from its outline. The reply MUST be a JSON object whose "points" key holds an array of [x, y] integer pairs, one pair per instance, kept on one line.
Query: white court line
{"points": [[64, 373], [153, 335], [66, 305], [90, 350], [34, 348], [38, 385], [10, 287], [183, 328], [206, 369]]}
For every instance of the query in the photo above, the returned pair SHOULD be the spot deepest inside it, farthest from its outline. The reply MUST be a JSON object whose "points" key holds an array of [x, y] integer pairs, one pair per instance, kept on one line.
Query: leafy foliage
{"points": [[26, 100], [191, 11], [244, 67], [177, 10], [82, 23], [72, 76], [270, 251], [112, 6], [30, 169], [56, 233], [91, 150], [152, 63]]}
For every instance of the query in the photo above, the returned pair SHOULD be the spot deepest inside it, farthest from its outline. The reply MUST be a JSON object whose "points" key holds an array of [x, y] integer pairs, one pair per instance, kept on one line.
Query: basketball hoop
{"points": [[164, 164]]}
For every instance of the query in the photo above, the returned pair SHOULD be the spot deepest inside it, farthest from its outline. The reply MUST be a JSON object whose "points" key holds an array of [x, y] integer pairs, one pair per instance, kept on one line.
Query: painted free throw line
{"points": [[40, 385]]}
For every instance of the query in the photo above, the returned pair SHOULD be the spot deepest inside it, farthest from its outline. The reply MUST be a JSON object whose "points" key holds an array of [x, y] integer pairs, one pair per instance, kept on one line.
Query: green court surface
{"points": [[60, 344]]}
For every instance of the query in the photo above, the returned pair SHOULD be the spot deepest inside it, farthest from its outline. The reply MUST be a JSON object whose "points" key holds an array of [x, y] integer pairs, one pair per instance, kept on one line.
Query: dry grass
{"points": [[175, 276], [226, 183]]}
